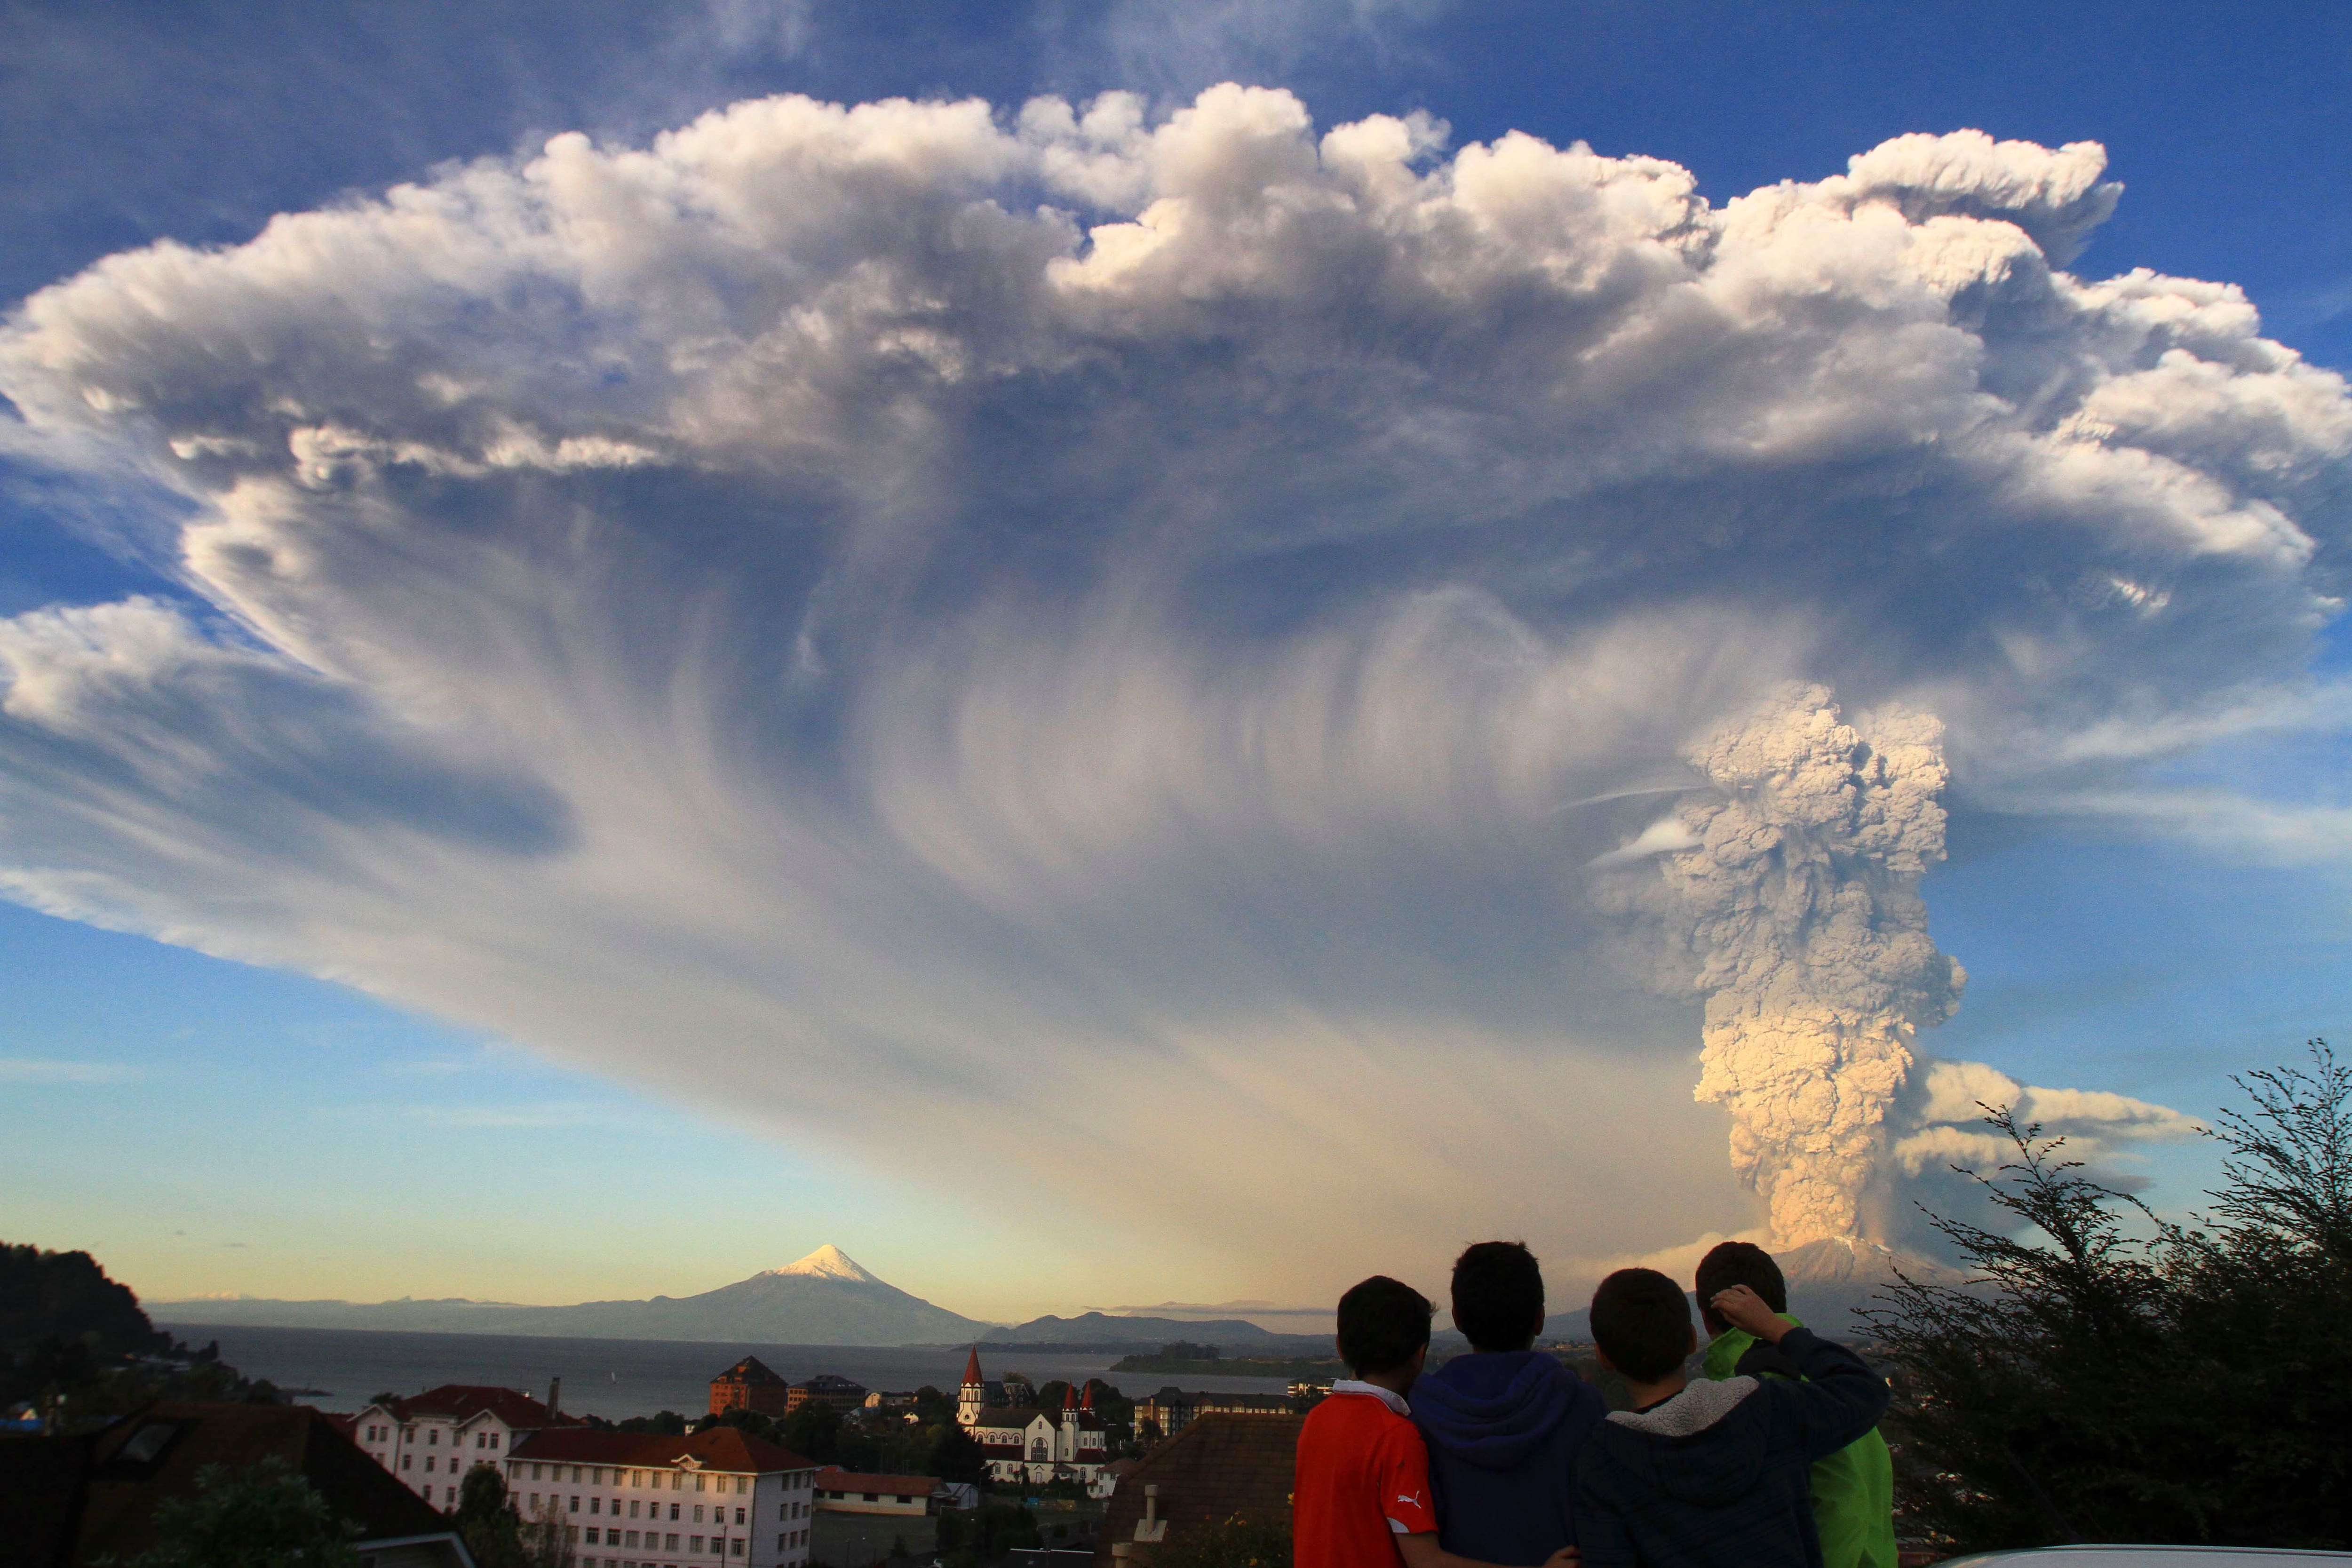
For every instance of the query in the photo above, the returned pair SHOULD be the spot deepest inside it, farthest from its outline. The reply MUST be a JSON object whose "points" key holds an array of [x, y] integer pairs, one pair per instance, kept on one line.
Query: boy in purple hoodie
{"points": [[1503, 1424]]}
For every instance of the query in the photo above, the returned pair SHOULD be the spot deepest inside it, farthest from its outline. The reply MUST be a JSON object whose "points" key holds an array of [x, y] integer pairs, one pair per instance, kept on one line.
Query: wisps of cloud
{"points": [[908, 611]]}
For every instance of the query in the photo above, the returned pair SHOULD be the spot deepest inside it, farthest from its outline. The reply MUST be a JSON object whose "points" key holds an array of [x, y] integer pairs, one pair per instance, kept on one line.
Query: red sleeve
{"points": [[1403, 1470]]}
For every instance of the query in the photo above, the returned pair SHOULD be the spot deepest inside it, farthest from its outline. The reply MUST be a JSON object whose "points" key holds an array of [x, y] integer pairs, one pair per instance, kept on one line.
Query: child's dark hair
{"points": [[1499, 1295], [1642, 1323], [1382, 1322], [1741, 1263]]}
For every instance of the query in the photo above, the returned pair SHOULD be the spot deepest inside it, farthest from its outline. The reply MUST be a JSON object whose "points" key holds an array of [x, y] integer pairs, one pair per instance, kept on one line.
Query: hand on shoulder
{"points": [[1743, 1309]]}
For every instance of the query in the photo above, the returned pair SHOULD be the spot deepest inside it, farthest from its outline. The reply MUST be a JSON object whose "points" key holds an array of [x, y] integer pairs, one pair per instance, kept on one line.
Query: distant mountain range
{"points": [[1116, 1331], [825, 1298]]}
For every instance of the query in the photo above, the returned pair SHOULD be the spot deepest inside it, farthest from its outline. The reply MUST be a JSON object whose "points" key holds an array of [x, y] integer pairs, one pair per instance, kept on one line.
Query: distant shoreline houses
{"points": [[599, 1480]]}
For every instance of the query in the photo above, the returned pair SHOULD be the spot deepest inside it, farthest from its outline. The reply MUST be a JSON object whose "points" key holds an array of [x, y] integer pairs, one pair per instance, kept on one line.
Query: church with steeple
{"points": [[1023, 1443]]}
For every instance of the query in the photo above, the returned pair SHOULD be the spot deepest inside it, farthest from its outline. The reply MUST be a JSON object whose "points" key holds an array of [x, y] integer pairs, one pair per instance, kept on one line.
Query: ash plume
{"points": [[1788, 895]]}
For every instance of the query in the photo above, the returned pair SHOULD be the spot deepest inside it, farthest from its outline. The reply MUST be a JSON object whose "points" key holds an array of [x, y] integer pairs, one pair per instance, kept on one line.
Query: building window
{"points": [[406, 1461], [738, 1515], [429, 1463], [592, 1535], [434, 1436], [694, 1545], [494, 1439], [737, 1548], [575, 1503], [672, 1541], [673, 1513]]}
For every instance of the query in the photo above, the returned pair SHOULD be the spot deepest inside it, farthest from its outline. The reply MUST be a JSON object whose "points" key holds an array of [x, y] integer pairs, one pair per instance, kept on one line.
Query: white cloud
{"points": [[920, 613]]}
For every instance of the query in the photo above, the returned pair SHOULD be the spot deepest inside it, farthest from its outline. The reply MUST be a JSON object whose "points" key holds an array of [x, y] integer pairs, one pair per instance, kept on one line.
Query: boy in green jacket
{"points": [[1853, 1488]]}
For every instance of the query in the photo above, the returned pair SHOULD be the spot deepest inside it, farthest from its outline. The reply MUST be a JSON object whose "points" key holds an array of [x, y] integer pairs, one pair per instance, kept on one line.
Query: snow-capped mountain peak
{"points": [[829, 1262]]}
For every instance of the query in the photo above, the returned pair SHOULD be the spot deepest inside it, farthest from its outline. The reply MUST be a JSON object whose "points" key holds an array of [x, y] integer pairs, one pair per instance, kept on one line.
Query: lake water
{"points": [[620, 1378]]}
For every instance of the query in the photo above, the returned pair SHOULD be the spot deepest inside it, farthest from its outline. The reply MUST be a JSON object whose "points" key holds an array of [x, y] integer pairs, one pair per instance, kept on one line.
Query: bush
{"points": [[265, 1513], [1235, 1543], [2116, 1378]]}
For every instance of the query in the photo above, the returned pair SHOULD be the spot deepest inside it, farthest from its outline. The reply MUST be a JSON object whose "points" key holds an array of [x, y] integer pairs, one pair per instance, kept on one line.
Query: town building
{"points": [[1025, 1444], [838, 1392], [847, 1491], [980, 1392], [1171, 1409], [747, 1386], [430, 1441], [714, 1499]]}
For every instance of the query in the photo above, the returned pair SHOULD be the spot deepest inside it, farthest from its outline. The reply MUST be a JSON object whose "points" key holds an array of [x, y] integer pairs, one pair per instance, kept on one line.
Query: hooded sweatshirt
{"points": [[1853, 1488], [1503, 1429], [1720, 1474]]}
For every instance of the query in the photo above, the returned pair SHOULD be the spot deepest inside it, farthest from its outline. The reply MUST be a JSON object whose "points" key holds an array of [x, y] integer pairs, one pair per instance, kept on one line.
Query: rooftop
{"points": [[834, 1479], [1219, 1468]]}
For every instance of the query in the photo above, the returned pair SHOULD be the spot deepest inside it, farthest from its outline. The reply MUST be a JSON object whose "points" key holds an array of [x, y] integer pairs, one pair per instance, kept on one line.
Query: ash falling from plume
{"points": [[1790, 899]]}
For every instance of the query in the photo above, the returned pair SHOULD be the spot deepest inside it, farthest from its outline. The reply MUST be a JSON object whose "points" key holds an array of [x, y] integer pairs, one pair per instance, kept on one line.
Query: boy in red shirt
{"points": [[1361, 1496]]}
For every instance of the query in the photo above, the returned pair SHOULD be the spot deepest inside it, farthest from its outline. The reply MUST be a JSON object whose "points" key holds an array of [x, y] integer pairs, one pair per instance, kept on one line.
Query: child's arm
{"points": [[1840, 1399], [1423, 1552]]}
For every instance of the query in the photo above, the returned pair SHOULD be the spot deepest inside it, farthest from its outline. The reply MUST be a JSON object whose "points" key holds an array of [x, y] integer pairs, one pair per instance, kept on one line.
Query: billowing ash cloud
{"points": [[922, 615], [1790, 891]]}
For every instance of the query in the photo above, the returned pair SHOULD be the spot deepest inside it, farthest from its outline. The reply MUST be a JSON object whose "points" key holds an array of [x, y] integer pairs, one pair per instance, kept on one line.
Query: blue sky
{"points": [[209, 1125]]}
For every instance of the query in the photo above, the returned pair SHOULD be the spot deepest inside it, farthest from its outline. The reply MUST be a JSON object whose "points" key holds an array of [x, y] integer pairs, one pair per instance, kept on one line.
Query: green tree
{"points": [[814, 1431], [1237, 1542], [982, 1535], [547, 1542], [491, 1531], [262, 1516], [2112, 1377], [955, 1455]]}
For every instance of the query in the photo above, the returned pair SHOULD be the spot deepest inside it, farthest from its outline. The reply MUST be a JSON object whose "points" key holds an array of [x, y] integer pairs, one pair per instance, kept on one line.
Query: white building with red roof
{"points": [[715, 1499], [1026, 1443], [853, 1491], [430, 1441]]}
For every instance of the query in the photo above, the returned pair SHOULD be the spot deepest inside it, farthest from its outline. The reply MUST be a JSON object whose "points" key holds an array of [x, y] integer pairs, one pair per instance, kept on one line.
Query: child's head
{"points": [[1498, 1296], [1738, 1263], [1383, 1324], [1642, 1324]]}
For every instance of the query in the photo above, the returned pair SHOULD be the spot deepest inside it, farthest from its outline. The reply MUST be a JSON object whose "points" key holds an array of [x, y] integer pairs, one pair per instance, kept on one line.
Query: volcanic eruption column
{"points": [[1794, 905]]}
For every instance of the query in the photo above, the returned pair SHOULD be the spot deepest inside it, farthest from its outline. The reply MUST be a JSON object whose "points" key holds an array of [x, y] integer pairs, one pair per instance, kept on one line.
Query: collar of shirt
{"points": [[1387, 1396]]}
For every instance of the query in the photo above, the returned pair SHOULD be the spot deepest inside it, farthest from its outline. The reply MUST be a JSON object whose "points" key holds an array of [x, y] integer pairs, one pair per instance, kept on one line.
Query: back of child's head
{"points": [[1382, 1321], [1642, 1323], [1741, 1263], [1499, 1295]]}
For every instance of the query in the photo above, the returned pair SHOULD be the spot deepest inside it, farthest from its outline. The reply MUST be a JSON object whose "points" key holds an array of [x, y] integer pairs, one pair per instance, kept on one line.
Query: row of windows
{"points": [[652, 1510], [408, 1462], [593, 1475], [719, 1545], [485, 1438]]}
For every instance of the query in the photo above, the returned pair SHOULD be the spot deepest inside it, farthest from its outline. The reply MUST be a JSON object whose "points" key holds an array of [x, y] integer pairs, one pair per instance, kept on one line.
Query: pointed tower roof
{"points": [[971, 1368], [1087, 1400], [1069, 1397]]}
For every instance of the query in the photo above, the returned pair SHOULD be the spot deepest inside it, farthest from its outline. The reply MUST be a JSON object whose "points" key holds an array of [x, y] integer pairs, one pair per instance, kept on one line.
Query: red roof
{"points": [[971, 1368], [750, 1370], [834, 1479], [716, 1448], [464, 1401]]}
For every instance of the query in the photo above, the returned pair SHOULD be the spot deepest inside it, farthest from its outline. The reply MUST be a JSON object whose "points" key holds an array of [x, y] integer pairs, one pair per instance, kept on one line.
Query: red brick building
{"points": [[748, 1386]]}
